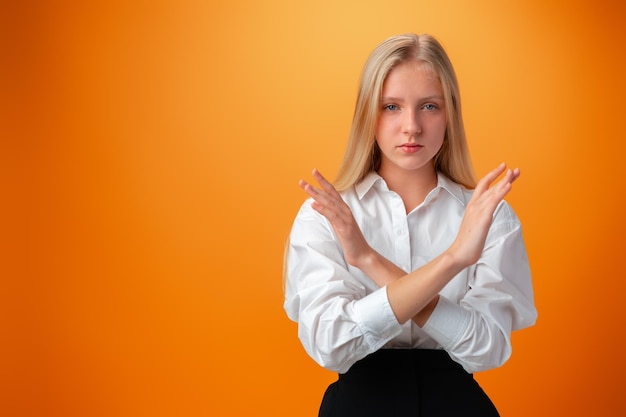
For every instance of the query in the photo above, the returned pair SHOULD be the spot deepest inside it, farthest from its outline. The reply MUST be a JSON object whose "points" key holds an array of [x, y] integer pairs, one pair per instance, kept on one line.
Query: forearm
{"points": [[380, 270], [414, 292], [415, 295]]}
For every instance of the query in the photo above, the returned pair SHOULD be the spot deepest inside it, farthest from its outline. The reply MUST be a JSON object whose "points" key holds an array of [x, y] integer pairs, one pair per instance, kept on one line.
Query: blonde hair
{"points": [[362, 153]]}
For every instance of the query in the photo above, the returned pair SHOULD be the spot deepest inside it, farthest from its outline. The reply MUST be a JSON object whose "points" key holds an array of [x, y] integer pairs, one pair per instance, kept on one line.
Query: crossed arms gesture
{"points": [[415, 295]]}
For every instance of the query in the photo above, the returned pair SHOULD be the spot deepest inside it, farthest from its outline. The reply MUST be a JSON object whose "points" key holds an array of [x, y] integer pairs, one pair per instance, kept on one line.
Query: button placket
{"points": [[401, 234]]}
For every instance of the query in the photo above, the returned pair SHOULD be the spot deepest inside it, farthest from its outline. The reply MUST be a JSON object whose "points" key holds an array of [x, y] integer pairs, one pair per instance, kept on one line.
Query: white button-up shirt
{"points": [[343, 315]]}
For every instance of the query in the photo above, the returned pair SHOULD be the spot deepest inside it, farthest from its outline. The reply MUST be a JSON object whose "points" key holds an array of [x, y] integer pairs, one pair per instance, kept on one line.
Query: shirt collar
{"points": [[367, 183], [443, 182], [455, 190]]}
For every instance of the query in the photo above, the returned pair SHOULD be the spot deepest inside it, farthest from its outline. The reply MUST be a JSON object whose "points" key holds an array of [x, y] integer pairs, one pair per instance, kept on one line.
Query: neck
{"points": [[411, 186]]}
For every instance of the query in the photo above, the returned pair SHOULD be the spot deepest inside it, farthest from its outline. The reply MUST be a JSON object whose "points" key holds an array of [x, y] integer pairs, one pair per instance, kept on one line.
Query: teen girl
{"points": [[406, 276]]}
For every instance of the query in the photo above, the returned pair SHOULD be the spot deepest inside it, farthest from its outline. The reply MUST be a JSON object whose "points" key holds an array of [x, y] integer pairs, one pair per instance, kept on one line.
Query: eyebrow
{"points": [[433, 97]]}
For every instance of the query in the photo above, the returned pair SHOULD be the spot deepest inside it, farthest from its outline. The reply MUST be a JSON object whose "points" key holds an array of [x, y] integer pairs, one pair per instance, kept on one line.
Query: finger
{"points": [[310, 190], [305, 185], [324, 183], [490, 196], [516, 174], [332, 196], [510, 176], [322, 203], [505, 185], [329, 211], [489, 178]]}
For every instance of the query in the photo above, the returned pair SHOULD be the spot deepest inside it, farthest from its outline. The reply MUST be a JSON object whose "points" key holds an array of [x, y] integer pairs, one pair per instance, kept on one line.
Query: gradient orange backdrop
{"points": [[150, 153]]}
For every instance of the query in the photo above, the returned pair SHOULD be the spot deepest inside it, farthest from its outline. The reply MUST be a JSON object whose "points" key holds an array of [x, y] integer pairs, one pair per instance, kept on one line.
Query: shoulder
{"points": [[307, 217], [505, 214], [505, 223]]}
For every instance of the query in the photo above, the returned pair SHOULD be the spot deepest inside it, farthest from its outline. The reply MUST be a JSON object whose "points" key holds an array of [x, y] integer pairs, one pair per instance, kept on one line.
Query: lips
{"points": [[410, 147]]}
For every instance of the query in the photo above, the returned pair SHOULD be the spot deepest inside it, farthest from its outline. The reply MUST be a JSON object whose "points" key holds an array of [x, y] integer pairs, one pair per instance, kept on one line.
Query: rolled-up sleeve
{"points": [[339, 320], [476, 330]]}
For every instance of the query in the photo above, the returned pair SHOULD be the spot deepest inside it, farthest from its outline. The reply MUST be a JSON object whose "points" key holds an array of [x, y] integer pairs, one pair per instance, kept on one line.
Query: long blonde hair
{"points": [[362, 153]]}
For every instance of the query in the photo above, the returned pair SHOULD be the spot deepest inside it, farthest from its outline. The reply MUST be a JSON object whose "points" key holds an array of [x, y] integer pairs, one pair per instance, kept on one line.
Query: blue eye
{"points": [[390, 107], [429, 106]]}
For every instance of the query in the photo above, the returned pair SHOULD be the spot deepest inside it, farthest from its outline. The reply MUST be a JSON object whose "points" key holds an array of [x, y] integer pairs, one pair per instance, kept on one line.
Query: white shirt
{"points": [[343, 315]]}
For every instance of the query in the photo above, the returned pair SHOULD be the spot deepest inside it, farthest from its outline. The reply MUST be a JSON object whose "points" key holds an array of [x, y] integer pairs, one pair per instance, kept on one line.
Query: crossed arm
{"points": [[415, 295]]}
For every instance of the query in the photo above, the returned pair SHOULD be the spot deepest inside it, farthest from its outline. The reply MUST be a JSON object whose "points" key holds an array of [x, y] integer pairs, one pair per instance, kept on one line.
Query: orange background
{"points": [[149, 160]]}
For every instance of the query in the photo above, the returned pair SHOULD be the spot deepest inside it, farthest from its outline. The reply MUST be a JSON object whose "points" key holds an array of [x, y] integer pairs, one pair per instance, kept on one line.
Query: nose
{"points": [[411, 125]]}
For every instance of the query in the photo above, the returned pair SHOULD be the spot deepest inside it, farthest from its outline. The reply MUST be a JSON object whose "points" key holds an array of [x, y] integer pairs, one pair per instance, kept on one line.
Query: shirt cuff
{"points": [[376, 318], [447, 323]]}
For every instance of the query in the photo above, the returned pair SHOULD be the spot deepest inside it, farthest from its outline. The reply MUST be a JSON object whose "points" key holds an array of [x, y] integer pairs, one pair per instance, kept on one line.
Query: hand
{"points": [[328, 202], [470, 240]]}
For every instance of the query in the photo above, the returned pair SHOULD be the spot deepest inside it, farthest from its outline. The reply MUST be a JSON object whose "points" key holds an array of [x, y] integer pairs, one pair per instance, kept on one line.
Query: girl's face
{"points": [[412, 120]]}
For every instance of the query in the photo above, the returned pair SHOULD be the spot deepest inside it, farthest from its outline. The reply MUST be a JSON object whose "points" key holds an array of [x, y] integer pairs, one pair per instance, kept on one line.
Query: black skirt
{"points": [[406, 382]]}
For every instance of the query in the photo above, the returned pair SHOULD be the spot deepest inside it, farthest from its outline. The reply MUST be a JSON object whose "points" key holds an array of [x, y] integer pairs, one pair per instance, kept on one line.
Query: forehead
{"points": [[412, 77]]}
